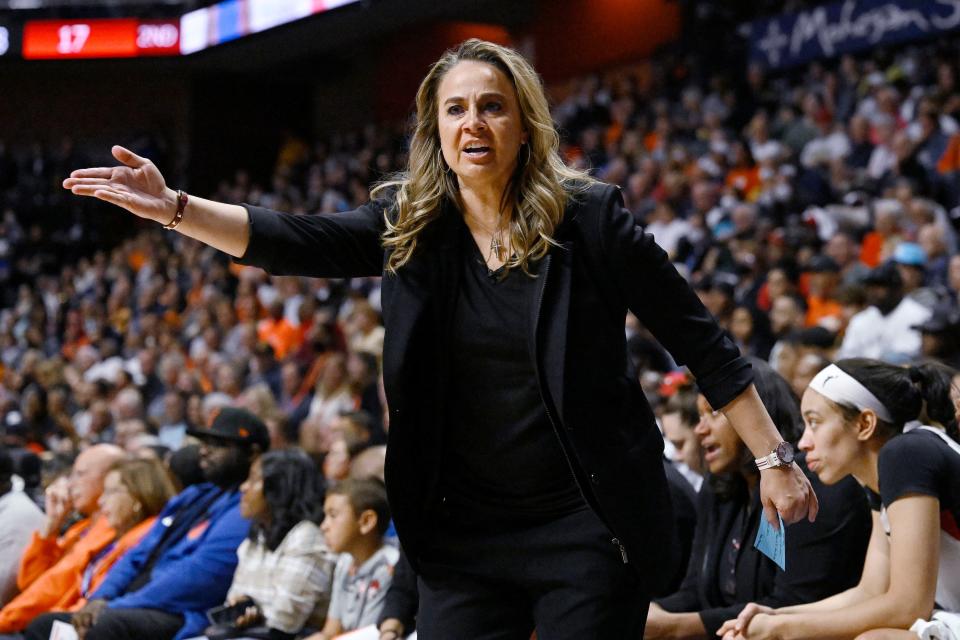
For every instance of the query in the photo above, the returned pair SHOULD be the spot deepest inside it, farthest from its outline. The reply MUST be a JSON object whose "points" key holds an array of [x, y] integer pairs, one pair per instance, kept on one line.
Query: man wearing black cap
{"points": [[884, 330], [941, 335], [184, 565]]}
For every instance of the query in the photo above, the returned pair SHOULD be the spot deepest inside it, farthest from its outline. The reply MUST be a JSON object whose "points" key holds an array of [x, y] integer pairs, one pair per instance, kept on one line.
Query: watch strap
{"points": [[769, 461]]}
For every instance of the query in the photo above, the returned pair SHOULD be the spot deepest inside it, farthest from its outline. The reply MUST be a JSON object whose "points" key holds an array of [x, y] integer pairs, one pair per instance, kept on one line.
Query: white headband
{"points": [[839, 386]]}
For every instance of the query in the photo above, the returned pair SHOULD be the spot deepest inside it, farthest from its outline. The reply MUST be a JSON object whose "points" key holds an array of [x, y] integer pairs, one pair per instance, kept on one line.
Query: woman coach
{"points": [[524, 467]]}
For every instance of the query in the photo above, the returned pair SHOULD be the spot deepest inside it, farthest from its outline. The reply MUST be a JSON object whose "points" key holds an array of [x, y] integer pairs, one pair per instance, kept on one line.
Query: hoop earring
{"points": [[526, 146]]}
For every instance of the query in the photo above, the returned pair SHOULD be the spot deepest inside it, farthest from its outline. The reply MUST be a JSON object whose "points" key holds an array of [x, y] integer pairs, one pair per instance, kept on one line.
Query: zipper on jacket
{"points": [[623, 551], [553, 422]]}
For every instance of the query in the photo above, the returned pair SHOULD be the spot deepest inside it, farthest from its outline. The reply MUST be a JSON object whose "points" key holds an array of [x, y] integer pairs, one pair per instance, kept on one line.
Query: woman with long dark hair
{"points": [[855, 411], [284, 567]]}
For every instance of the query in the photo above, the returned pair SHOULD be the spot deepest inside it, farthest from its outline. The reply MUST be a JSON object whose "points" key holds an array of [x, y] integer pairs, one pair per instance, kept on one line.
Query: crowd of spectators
{"points": [[816, 213]]}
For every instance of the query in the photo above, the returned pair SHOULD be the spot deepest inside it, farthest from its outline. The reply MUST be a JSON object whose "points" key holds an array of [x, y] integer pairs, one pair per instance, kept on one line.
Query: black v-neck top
{"points": [[503, 462]]}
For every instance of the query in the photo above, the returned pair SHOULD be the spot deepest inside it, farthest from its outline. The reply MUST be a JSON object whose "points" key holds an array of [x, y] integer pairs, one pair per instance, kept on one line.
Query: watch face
{"points": [[785, 452]]}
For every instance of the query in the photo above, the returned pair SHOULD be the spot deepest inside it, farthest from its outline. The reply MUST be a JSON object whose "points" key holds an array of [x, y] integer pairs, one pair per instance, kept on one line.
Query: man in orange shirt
{"points": [[822, 307], [278, 332], [51, 561]]}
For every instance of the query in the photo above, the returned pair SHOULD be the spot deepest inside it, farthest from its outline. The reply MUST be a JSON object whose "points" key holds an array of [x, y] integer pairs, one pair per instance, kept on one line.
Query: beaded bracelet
{"points": [[178, 216]]}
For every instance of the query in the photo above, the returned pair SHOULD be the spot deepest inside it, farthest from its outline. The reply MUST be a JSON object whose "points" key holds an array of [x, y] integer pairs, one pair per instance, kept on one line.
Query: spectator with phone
{"points": [[285, 570], [356, 516]]}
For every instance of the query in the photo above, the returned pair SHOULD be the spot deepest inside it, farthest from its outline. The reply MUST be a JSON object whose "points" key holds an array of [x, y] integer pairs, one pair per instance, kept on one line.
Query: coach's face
{"points": [[480, 125]]}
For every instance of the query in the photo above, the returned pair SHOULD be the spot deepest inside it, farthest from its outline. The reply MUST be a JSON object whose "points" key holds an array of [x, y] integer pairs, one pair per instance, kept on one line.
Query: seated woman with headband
{"points": [[854, 412], [725, 571]]}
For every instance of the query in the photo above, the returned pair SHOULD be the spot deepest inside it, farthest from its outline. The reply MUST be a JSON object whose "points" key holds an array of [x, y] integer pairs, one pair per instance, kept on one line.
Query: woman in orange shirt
{"points": [[744, 175], [134, 492]]}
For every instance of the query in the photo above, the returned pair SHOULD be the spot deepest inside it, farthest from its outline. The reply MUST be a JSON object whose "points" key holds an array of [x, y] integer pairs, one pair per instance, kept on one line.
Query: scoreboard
{"points": [[132, 37], [103, 38]]}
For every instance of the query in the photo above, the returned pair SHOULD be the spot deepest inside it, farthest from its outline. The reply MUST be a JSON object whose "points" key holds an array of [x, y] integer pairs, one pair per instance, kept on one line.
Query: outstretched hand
{"points": [[136, 186]]}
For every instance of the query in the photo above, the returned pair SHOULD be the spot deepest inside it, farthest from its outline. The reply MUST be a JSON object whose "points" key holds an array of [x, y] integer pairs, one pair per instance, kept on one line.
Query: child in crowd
{"points": [[356, 516], [855, 412]]}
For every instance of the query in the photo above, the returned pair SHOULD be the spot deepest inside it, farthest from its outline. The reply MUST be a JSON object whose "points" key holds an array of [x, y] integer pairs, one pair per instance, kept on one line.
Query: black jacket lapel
{"points": [[423, 291], [550, 313]]}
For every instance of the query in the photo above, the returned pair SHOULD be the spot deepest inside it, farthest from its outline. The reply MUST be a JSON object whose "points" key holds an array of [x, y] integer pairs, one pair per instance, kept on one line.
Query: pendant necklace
{"points": [[496, 247], [496, 243]]}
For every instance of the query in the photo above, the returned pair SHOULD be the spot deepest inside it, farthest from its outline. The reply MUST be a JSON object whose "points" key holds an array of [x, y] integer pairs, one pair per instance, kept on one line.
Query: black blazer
{"points": [[603, 266], [822, 558]]}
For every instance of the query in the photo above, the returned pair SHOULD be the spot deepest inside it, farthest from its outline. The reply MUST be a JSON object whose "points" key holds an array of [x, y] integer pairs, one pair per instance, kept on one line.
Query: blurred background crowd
{"points": [[777, 196]]}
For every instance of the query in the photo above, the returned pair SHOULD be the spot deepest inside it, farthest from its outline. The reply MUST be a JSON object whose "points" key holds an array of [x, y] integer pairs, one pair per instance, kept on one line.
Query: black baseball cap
{"points": [[945, 317], [235, 425], [817, 336], [885, 275], [821, 264]]}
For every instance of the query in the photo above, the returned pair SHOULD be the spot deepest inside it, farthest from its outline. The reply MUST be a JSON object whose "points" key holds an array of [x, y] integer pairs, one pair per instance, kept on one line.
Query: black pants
{"points": [[115, 624], [566, 579]]}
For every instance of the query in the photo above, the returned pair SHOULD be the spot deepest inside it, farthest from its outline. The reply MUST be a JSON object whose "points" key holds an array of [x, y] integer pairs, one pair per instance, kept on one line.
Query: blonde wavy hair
{"points": [[537, 192]]}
